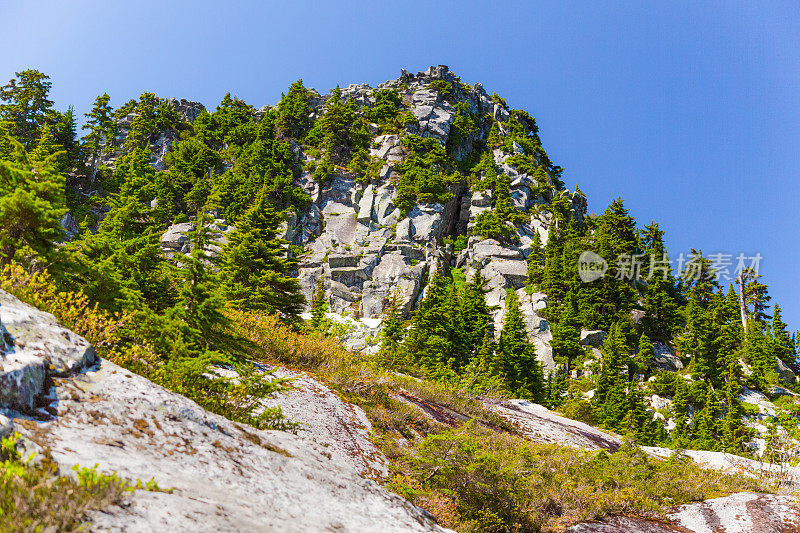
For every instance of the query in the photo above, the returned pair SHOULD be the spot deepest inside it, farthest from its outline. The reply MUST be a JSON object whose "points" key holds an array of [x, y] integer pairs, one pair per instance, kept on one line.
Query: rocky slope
{"points": [[214, 474], [224, 476]]}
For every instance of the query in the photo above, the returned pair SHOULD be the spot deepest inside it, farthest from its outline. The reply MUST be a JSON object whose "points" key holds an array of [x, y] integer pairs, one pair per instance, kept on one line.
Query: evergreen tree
{"points": [[31, 205], [100, 123], [644, 356], [475, 315], [319, 304], [429, 338], [523, 371], [294, 111], [611, 395], [682, 432], [256, 266], [120, 266], [200, 301], [757, 352], [392, 333], [782, 345], [566, 333], [27, 106], [536, 262], [754, 298], [733, 430], [707, 422]]}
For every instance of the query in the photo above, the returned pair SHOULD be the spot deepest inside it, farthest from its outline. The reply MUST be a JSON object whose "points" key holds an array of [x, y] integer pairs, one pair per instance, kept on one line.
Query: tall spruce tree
{"points": [[100, 137], [523, 371], [319, 304], [31, 205], [782, 344], [611, 395], [256, 265], [27, 106]]}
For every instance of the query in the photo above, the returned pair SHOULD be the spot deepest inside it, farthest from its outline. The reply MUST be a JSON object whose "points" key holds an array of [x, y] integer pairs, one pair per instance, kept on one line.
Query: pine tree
{"points": [[428, 339], [754, 298], [782, 344], [644, 356], [475, 315], [698, 340], [100, 123], [523, 371], [31, 205], [536, 262], [256, 266], [682, 432], [611, 395], [566, 333], [200, 300], [392, 333], [294, 111], [757, 353], [733, 430], [707, 422], [319, 304], [28, 107]]}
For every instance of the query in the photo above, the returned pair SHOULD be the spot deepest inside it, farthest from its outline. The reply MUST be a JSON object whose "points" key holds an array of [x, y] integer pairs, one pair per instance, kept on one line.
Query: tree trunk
{"points": [[742, 306]]}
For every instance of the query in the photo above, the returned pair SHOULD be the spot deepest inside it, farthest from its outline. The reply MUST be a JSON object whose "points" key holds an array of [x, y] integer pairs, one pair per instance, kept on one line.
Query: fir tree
{"points": [[782, 345], [27, 106], [755, 299], [644, 356], [733, 431], [682, 432], [100, 137], [31, 205], [392, 333], [566, 333], [610, 397], [757, 352], [429, 338], [707, 422], [294, 110], [200, 300], [256, 265], [475, 316], [523, 371], [319, 304]]}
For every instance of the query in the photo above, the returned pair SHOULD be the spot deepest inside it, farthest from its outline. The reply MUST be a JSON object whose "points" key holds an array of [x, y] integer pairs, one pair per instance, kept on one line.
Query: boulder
{"points": [[786, 373], [426, 222], [340, 290], [342, 260], [383, 205], [665, 359], [350, 276], [404, 230], [36, 347], [594, 337], [176, 238], [490, 248], [70, 225], [481, 199], [365, 205]]}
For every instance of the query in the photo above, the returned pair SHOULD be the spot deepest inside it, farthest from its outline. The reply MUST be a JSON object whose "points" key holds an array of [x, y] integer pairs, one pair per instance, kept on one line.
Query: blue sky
{"points": [[689, 111]]}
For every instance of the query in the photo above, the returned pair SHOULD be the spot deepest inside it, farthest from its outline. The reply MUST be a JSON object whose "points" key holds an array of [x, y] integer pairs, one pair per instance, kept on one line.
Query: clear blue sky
{"points": [[688, 110]]}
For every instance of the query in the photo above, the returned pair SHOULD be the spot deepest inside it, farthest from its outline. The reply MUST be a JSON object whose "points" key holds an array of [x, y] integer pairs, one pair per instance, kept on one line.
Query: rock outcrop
{"points": [[367, 250], [744, 512], [215, 475], [34, 349]]}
